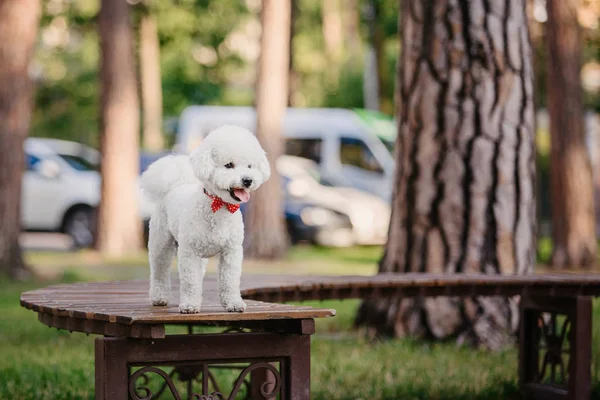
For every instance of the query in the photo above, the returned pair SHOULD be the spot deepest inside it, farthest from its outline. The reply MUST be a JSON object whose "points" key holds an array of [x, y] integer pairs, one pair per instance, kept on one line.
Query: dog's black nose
{"points": [[247, 182]]}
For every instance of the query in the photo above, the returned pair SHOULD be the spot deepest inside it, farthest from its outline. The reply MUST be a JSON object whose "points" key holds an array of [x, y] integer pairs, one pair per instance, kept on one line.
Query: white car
{"points": [[61, 189], [350, 147], [331, 216]]}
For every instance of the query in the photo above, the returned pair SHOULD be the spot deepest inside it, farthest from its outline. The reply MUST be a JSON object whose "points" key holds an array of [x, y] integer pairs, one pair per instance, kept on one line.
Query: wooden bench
{"points": [[274, 339]]}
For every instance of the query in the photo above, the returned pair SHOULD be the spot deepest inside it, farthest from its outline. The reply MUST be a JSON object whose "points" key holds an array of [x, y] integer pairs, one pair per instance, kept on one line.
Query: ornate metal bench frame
{"points": [[278, 364]]}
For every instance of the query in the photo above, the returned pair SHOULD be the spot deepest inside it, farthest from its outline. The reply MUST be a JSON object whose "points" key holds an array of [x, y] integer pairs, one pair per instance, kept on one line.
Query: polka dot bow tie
{"points": [[218, 202]]}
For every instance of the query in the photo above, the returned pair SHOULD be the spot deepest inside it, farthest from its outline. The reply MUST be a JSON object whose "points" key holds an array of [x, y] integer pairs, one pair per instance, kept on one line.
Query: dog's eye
{"points": [[229, 165], [249, 166]]}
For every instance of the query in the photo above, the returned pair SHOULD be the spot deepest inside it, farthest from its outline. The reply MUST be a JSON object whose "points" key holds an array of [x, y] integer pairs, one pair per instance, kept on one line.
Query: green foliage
{"points": [[195, 54], [66, 70], [208, 55], [67, 58]]}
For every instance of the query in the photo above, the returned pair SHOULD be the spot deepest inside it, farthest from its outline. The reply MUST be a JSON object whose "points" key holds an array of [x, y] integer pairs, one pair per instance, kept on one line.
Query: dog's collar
{"points": [[218, 202]]}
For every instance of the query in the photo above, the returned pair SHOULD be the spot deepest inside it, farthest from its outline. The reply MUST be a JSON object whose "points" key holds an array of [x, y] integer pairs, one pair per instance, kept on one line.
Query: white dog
{"points": [[197, 198]]}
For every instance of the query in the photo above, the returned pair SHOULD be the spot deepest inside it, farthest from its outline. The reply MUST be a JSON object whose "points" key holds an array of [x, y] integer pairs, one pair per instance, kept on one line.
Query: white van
{"points": [[342, 142]]}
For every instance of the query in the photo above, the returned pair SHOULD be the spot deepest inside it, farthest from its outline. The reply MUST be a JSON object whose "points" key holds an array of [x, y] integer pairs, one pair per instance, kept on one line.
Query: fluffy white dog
{"points": [[197, 198]]}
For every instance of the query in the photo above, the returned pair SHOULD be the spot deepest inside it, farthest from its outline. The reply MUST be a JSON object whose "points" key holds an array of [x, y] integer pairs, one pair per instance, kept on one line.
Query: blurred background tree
{"points": [[150, 82], [19, 21], [119, 229], [572, 199], [588, 16], [266, 236]]}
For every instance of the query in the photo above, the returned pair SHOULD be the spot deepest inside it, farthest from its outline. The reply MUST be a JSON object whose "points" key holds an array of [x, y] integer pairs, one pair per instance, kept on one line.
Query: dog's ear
{"points": [[202, 162], [264, 167]]}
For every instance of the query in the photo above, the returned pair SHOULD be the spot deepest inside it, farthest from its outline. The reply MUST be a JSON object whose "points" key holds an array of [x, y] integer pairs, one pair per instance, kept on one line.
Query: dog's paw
{"points": [[189, 308], [235, 305], [159, 297], [160, 302]]}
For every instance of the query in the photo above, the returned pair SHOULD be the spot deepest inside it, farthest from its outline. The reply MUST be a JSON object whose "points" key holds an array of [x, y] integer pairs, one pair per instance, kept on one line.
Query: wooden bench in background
{"points": [[273, 340]]}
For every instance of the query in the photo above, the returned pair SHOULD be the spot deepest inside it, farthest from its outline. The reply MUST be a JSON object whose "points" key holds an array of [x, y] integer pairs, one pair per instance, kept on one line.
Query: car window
{"points": [[31, 161], [355, 152], [305, 148], [390, 145], [78, 163]]}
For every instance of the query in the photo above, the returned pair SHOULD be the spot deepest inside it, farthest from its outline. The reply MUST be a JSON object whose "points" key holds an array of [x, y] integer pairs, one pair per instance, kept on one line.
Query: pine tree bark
{"points": [[119, 225], [465, 167], [151, 88], [266, 236], [573, 214], [19, 21]]}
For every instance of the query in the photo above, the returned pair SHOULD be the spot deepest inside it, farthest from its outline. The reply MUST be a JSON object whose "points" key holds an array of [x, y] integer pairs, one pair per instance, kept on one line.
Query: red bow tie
{"points": [[218, 202]]}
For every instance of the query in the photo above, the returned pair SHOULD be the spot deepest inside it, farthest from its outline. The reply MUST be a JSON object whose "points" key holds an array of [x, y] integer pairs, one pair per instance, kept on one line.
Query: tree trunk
{"points": [[573, 216], [119, 225], [151, 85], [332, 29], [294, 79], [19, 20], [351, 24], [373, 79], [333, 37], [266, 236], [464, 188]]}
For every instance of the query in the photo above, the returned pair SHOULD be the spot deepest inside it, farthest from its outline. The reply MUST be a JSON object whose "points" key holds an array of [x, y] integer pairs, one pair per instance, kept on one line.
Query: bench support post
{"points": [[555, 346], [261, 364]]}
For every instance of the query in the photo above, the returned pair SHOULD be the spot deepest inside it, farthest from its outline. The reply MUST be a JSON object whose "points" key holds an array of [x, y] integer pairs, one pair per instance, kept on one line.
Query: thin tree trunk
{"points": [[371, 76], [150, 84], [266, 236], [333, 37], [119, 225], [351, 24], [464, 197], [573, 215], [19, 20], [293, 74], [332, 28]]}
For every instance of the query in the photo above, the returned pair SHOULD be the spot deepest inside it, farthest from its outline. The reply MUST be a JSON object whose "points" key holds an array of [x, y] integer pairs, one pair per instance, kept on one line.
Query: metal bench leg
{"points": [[125, 366], [112, 373], [555, 347], [298, 369]]}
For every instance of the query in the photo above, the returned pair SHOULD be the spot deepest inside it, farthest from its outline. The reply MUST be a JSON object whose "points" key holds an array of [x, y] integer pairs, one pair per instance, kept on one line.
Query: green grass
{"points": [[301, 260], [37, 362]]}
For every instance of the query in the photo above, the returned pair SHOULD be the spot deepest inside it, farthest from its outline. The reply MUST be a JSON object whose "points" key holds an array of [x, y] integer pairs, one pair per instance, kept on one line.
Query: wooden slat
{"points": [[120, 304]]}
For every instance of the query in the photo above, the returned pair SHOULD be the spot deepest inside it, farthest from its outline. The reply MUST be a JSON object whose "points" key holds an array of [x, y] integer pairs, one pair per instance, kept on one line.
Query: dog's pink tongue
{"points": [[242, 195]]}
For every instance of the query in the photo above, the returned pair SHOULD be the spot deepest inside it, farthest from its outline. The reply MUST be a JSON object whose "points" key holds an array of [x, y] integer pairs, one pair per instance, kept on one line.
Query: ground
{"points": [[38, 362]]}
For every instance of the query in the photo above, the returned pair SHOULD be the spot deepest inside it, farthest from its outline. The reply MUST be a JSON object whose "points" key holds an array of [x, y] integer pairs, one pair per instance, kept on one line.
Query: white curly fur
{"points": [[184, 223]]}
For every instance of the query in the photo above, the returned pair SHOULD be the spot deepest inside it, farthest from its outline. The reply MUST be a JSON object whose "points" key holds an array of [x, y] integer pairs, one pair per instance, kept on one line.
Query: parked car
{"points": [[328, 215], [61, 189], [147, 158], [74, 153], [342, 142], [381, 126]]}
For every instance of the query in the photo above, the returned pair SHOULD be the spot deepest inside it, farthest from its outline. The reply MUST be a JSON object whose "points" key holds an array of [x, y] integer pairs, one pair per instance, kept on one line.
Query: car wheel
{"points": [[295, 234], [79, 225]]}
